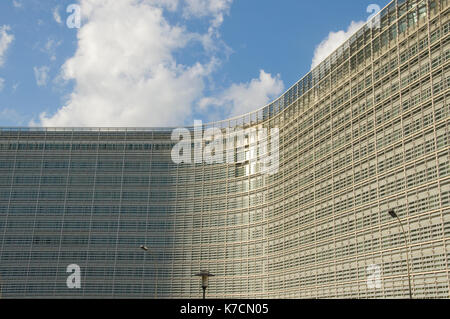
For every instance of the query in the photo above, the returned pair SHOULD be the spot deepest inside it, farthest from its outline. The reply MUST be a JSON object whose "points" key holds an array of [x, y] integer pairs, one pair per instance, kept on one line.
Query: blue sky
{"points": [[159, 62]]}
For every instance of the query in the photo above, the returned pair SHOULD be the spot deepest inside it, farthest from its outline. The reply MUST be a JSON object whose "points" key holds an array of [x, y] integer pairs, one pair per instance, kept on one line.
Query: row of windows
{"points": [[368, 133]]}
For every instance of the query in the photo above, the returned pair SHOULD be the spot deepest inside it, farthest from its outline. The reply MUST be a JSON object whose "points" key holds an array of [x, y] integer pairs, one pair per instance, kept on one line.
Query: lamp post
{"points": [[394, 215], [205, 274]]}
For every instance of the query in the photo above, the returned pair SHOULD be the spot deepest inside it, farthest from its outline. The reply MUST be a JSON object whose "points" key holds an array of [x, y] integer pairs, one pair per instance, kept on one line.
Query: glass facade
{"points": [[366, 131]]}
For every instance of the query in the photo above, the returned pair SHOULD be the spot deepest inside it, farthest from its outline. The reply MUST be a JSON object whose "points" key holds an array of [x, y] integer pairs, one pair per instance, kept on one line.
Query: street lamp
{"points": [[394, 215], [205, 274]]}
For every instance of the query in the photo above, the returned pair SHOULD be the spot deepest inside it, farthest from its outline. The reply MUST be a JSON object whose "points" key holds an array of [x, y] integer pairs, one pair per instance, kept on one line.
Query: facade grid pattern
{"points": [[366, 131]]}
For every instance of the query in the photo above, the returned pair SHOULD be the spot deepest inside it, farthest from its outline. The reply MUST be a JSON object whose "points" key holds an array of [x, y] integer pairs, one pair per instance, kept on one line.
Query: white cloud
{"points": [[41, 75], [56, 15], [2, 84], [214, 8], [17, 4], [128, 75], [333, 41], [5, 40], [246, 97], [50, 48], [170, 5]]}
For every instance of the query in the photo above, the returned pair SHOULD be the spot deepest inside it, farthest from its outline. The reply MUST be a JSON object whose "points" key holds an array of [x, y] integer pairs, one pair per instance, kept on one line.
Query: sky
{"points": [[157, 63]]}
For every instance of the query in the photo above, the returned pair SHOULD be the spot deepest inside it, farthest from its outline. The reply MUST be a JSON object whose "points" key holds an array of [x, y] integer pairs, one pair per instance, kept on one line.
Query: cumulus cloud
{"points": [[170, 5], [41, 75], [333, 41], [246, 97], [125, 72], [5, 40], [214, 8], [2, 84], [128, 76]]}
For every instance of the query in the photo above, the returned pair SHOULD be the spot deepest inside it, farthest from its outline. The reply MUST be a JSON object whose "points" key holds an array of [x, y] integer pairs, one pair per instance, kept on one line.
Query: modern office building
{"points": [[365, 132]]}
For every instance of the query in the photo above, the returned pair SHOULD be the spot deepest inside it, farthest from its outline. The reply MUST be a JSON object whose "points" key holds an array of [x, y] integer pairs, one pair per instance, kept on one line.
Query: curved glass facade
{"points": [[365, 132]]}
